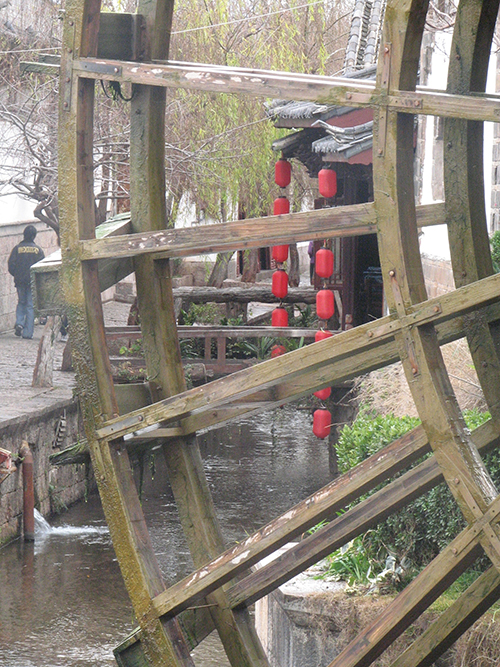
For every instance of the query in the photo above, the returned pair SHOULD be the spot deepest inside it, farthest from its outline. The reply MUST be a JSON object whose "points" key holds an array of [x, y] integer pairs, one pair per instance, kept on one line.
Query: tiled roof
{"points": [[364, 36], [292, 109], [360, 62], [345, 141]]}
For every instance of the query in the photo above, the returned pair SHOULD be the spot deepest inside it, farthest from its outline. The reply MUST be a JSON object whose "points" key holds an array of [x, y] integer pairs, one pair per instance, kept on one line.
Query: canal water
{"points": [[62, 599]]}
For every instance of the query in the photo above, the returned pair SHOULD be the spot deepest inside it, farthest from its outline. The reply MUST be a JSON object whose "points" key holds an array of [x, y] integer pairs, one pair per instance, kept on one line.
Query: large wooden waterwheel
{"points": [[173, 619]]}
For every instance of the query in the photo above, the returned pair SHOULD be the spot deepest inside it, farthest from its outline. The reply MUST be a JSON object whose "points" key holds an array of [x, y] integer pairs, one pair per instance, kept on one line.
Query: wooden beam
{"points": [[324, 504], [404, 284], [464, 187], [321, 354], [252, 233], [284, 85], [141, 573], [416, 597], [453, 622], [321, 505]]}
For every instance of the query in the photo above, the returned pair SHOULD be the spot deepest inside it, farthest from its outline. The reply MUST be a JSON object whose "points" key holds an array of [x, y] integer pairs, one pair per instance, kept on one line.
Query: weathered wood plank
{"points": [[273, 372], [207, 330], [321, 505], [464, 186], [142, 576], [403, 275], [284, 85], [417, 596], [453, 622], [256, 232], [335, 374], [160, 340], [340, 531]]}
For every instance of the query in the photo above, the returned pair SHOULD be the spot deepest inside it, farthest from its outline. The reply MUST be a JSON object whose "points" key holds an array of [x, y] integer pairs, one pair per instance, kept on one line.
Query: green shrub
{"points": [[367, 435], [495, 250], [419, 531]]}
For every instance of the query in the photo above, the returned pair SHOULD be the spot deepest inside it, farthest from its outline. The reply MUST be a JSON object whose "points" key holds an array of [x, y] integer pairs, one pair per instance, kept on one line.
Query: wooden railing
{"points": [[119, 336]]}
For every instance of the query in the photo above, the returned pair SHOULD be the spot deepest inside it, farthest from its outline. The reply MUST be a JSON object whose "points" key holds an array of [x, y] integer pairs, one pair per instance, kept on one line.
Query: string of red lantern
{"points": [[279, 317], [282, 173]]}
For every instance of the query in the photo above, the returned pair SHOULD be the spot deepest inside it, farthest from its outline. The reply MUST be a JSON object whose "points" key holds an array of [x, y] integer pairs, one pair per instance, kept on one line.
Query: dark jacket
{"points": [[21, 259]]}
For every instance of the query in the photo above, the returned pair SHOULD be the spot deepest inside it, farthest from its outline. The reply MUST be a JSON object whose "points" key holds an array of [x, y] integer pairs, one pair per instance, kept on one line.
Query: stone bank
{"points": [[46, 431]]}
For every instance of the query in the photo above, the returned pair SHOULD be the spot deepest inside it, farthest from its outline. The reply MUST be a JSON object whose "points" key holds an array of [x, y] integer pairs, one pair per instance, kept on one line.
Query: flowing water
{"points": [[62, 599]]}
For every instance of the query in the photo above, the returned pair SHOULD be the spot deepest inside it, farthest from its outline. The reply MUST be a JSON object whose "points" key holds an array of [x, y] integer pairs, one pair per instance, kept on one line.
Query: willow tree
{"points": [[219, 146]]}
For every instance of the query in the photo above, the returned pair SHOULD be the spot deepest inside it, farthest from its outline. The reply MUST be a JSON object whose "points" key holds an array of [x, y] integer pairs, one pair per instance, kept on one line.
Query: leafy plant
{"points": [[258, 347], [418, 532], [495, 250], [306, 318], [135, 350]]}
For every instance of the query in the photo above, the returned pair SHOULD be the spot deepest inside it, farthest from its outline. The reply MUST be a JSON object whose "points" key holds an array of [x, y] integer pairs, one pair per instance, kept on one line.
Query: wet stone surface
{"points": [[17, 362]]}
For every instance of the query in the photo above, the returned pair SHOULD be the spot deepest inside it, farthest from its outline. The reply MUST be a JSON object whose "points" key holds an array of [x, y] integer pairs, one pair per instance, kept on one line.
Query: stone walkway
{"points": [[17, 362]]}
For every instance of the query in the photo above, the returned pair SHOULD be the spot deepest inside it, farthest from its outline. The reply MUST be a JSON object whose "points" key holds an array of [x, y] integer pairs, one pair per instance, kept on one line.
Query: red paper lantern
{"points": [[280, 284], [324, 263], [279, 318], [321, 335], [322, 422], [278, 350], [280, 253], [323, 394], [281, 206], [282, 173], [325, 305], [327, 183]]}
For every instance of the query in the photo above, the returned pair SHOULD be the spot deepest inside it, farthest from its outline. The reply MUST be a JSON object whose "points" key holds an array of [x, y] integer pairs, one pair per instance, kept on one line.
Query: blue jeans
{"points": [[25, 316]]}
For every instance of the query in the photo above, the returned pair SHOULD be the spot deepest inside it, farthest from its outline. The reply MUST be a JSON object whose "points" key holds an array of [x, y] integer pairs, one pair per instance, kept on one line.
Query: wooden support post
{"points": [[452, 623], [161, 344], [208, 348], [162, 642], [28, 493], [221, 350], [464, 186], [404, 282]]}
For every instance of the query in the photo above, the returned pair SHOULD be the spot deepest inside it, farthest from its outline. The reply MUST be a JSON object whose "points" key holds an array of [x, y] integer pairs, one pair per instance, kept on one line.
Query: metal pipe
{"points": [[28, 493]]}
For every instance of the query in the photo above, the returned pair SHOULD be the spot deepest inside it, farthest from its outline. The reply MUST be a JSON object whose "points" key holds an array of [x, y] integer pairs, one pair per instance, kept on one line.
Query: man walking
{"points": [[21, 259]]}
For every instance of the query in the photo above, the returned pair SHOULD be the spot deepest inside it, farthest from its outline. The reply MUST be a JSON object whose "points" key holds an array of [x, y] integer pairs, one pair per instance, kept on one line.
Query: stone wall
{"points": [[438, 276], [10, 235], [55, 488]]}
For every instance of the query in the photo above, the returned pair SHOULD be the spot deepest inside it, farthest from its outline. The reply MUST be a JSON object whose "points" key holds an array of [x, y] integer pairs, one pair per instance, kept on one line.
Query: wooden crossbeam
{"points": [[346, 527], [288, 367], [416, 597], [453, 622], [336, 373], [321, 505], [256, 232], [285, 85], [317, 507]]}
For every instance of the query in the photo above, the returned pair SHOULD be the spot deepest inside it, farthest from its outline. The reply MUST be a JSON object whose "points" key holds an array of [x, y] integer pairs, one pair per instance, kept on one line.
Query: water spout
{"points": [[42, 526]]}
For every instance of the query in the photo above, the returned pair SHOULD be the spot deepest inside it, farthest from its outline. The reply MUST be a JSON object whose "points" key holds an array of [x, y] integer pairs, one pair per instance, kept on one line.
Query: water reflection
{"points": [[63, 603]]}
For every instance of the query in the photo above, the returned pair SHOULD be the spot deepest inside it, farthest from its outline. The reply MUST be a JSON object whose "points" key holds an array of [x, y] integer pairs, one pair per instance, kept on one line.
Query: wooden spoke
{"points": [[283, 85], [409, 604], [274, 371], [341, 530], [321, 505], [324, 223], [464, 187], [452, 623]]}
